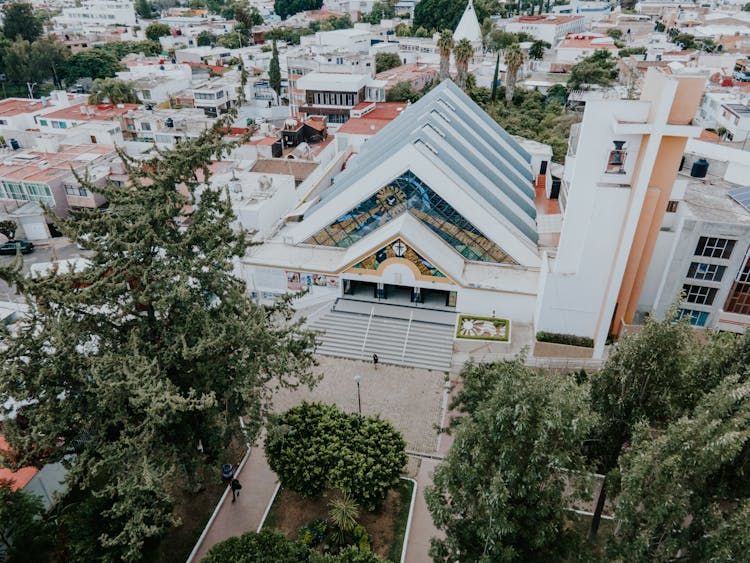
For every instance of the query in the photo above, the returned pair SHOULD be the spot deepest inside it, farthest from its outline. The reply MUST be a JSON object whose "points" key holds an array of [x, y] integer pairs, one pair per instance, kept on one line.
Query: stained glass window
{"points": [[408, 194]]}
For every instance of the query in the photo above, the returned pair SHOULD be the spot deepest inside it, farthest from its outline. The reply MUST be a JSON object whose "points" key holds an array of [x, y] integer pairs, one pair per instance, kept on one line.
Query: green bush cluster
{"points": [[270, 545], [569, 339], [314, 447]]}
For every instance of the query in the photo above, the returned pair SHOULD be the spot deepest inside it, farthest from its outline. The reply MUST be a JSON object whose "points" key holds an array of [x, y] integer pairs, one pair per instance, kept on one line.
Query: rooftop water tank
{"points": [[700, 168]]}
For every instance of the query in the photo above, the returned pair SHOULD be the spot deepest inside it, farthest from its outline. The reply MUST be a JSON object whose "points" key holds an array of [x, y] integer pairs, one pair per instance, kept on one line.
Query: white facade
{"points": [[89, 14], [550, 28]]}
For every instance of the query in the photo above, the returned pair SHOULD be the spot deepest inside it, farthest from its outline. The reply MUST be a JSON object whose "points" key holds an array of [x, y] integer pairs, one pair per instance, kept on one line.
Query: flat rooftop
{"points": [[332, 82], [89, 112]]}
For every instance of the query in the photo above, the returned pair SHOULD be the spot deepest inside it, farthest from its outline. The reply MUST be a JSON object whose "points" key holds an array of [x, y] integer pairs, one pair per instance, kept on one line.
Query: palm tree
{"points": [[113, 91], [462, 52], [514, 60], [343, 513], [445, 46]]}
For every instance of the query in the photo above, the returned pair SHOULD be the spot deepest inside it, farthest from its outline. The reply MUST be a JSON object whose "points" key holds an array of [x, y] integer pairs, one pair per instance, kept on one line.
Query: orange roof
{"points": [[373, 121], [546, 19], [16, 106], [18, 479], [48, 166], [709, 136], [587, 41], [88, 112], [267, 141]]}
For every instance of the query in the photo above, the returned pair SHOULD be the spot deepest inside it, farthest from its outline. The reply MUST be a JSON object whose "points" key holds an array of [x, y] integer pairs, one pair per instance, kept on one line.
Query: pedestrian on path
{"points": [[375, 360], [236, 486]]}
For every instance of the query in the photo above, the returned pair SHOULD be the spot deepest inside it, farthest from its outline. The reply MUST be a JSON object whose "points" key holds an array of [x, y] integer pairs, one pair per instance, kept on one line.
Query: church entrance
{"points": [[428, 298]]}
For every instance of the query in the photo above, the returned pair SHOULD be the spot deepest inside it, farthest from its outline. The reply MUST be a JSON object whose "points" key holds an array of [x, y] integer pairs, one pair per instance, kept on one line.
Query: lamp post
{"points": [[357, 379]]}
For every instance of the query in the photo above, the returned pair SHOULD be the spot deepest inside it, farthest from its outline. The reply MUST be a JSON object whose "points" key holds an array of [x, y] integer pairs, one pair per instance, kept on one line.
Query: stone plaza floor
{"points": [[412, 399]]}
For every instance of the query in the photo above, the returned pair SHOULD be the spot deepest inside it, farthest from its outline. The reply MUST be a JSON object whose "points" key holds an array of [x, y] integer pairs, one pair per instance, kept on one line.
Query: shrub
{"points": [[314, 533], [569, 339], [314, 447]]}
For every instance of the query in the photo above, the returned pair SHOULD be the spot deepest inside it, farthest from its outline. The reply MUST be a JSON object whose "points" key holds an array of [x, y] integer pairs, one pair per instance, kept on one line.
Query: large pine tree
{"points": [[137, 369]]}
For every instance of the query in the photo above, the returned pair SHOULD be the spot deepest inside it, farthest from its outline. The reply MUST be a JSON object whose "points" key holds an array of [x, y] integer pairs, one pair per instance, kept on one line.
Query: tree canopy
{"points": [[156, 30], [387, 61], [140, 365], [91, 63], [435, 15], [500, 492], [113, 91], [314, 447], [402, 92], [274, 71], [24, 536], [19, 20], [598, 69], [286, 8]]}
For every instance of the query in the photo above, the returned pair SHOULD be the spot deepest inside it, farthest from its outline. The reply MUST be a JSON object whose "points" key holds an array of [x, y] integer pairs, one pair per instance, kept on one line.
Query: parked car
{"points": [[9, 248]]}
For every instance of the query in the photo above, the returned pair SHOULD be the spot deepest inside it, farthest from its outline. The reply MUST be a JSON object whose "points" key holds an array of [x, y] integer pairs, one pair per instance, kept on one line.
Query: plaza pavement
{"points": [[411, 399]]}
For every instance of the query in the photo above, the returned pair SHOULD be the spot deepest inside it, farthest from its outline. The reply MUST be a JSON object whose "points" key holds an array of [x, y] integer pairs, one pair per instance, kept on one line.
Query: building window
{"points": [[738, 301], [699, 294], [706, 272], [696, 318], [672, 206], [616, 160], [712, 247], [76, 190], [408, 194], [43, 122], [145, 126]]}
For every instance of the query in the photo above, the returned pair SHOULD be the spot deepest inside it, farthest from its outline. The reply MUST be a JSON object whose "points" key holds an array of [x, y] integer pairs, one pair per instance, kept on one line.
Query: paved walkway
{"points": [[244, 515], [422, 528]]}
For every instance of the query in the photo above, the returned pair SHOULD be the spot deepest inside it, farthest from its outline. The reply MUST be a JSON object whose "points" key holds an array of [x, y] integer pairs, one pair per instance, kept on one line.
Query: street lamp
{"points": [[357, 379]]}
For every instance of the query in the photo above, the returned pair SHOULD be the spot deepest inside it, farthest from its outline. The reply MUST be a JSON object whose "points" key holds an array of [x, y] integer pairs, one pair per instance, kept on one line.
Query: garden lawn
{"points": [[386, 527]]}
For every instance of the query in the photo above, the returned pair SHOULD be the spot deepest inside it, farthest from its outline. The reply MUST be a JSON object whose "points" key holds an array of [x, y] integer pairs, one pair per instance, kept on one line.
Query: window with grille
{"points": [[713, 247], [707, 272], [699, 294], [696, 318]]}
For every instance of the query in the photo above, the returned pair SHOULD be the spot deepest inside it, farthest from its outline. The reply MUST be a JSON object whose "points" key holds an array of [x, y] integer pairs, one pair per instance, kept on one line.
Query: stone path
{"points": [[422, 528], [244, 515]]}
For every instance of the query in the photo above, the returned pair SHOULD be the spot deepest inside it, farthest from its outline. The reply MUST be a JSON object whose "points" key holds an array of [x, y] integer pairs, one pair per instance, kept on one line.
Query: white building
{"points": [[547, 27], [155, 81], [91, 14]]}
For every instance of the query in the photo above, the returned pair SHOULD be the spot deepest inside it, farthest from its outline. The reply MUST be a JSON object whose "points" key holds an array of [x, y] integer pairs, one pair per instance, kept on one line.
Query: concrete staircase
{"points": [[396, 340]]}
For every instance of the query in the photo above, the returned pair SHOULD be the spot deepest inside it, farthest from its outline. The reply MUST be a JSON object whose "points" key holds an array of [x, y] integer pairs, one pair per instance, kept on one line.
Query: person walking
{"points": [[236, 486], [375, 360]]}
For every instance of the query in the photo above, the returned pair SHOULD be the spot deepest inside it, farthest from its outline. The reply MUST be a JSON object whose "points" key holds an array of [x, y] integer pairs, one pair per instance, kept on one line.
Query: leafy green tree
{"points": [[380, 11], [113, 91], [537, 49], [402, 30], [17, 61], [615, 33], [142, 363], [387, 61], [500, 40], [495, 79], [500, 494], [402, 92], [19, 20], [8, 228], [274, 71], [121, 48], [156, 30], [143, 9], [92, 63], [286, 8], [599, 68], [205, 38], [685, 493], [462, 54], [642, 381], [746, 7], [24, 534], [443, 14], [248, 16], [47, 60], [514, 60], [445, 46], [314, 447]]}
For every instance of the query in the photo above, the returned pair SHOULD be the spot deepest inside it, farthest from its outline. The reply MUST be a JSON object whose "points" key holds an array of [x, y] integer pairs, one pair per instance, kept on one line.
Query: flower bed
{"points": [[483, 328], [300, 518]]}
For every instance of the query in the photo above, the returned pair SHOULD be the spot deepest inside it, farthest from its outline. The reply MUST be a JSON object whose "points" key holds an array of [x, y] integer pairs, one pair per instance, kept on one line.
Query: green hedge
{"points": [[569, 339], [313, 447]]}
